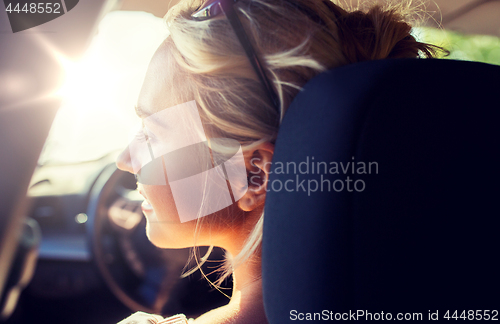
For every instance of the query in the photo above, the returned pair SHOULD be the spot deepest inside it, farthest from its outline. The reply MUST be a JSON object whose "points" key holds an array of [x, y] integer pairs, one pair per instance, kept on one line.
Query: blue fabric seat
{"points": [[421, 232]]}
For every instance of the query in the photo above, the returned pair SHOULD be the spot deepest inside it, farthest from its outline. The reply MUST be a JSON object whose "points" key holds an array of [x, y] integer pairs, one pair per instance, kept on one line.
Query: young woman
{"points": [[242, 63]]}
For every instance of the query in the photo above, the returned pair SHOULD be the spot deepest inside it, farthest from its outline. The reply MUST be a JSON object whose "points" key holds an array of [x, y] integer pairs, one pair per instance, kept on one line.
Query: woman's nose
{"points": [[124, 162]]}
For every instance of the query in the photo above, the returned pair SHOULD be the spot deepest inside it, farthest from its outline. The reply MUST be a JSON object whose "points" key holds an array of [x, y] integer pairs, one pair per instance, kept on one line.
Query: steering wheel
{"points": [[140, 275]]}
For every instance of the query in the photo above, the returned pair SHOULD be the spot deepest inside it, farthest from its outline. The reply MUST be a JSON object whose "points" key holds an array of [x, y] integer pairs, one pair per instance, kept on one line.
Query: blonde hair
{"points": [[296, 40]]}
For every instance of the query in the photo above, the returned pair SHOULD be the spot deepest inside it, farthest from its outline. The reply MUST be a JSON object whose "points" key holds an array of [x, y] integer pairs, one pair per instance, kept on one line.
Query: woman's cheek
{"points": [[163, 204]]}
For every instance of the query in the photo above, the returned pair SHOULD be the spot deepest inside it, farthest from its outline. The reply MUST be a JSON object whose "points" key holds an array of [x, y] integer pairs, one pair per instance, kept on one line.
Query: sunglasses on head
{"points": [[214, 8]]}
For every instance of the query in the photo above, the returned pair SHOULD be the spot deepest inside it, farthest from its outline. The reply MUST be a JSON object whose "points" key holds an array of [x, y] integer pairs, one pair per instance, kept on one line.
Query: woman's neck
{"points": [[246, 304]]}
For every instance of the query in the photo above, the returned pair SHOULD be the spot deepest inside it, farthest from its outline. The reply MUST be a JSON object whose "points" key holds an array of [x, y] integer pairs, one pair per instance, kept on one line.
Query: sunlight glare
{"points": [[100, 90]]}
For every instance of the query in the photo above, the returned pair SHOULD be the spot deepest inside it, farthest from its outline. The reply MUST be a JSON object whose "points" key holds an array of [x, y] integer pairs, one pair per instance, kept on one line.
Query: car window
{"points": [[479, 48], [101, 89]]}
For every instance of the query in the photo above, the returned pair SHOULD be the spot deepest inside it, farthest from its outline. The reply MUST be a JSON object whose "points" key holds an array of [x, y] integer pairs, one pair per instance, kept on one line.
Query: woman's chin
{"points": [[167, 236], [155, 235]]}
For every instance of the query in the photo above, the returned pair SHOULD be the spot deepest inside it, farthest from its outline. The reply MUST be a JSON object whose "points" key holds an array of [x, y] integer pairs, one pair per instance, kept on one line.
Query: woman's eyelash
{"points": [[142, 136], [149, 137]]}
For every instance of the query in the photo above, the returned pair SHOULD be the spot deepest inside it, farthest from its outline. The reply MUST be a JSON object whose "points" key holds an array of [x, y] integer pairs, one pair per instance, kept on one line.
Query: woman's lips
{"points": [[146, 205]]}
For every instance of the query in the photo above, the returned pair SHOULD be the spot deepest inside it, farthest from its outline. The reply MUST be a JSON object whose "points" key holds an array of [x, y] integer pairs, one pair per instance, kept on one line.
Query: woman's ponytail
{"points": [[378, 34]]}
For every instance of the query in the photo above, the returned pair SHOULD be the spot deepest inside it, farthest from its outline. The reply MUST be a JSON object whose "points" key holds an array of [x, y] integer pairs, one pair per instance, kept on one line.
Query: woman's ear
{"points": [[258, 164]]}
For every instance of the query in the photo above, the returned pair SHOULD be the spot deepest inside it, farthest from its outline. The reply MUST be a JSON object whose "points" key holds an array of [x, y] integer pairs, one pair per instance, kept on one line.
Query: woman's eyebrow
{"points": [[140, 112]]}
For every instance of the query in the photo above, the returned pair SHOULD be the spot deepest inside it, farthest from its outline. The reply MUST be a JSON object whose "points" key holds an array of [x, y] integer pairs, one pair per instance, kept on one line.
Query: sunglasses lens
{"points": [[209, 9]]}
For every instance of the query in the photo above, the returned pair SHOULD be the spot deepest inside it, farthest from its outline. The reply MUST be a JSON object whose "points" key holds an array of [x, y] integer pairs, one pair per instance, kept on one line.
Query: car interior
{"points": [[417, 233]]}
